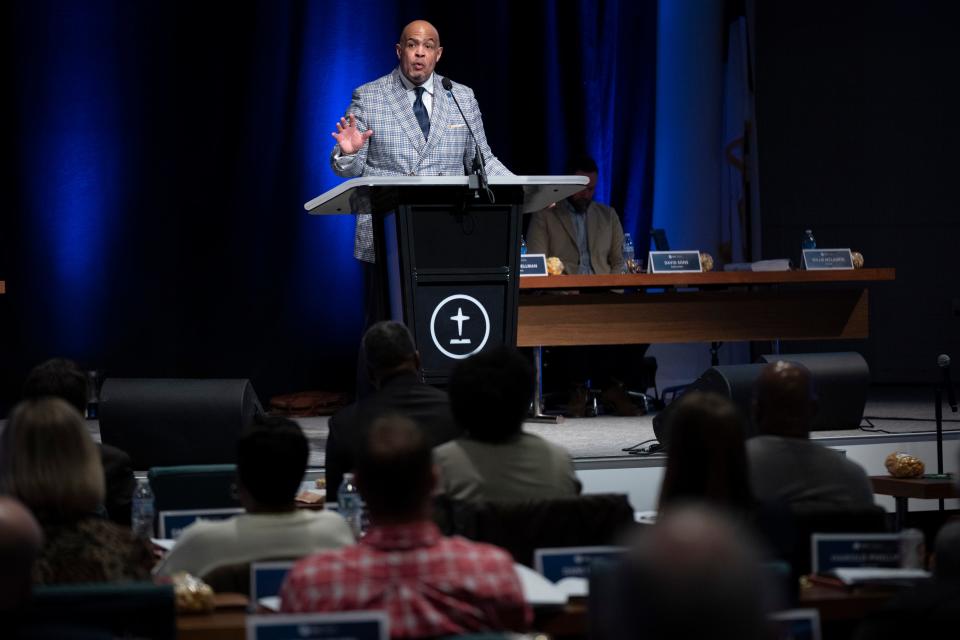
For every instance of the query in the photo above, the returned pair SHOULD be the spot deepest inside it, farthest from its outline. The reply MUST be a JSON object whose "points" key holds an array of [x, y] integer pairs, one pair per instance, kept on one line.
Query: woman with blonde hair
{"points": [[50, 463]]}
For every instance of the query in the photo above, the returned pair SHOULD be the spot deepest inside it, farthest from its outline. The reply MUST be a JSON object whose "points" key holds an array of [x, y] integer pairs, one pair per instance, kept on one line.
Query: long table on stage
{"points": [[695, 307]]}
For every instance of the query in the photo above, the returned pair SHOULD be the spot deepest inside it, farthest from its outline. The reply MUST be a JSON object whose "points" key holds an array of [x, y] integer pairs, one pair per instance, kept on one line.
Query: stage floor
{"points": [[891, 414]]}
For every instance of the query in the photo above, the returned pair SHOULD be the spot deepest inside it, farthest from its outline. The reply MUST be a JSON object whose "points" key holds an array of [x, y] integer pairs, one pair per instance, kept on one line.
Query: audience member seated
{"points": [[695, 574], [271, 460], [62, 378], [785, 465], [930, 609], [20, 542], [490, 395], [428, 584], [49, 462], [393, 364], [707, 458]]}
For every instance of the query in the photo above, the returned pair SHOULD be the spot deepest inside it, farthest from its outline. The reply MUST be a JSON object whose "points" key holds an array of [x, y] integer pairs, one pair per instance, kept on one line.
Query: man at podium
{"points": [[406, 124]]}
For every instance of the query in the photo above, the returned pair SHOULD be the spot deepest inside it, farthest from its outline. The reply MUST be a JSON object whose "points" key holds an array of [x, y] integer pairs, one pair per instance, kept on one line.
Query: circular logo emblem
{"points": [[459, 326]]}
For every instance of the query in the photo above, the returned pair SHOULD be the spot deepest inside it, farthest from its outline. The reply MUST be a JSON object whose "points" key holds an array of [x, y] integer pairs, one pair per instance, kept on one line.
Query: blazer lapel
{"points": [[397, 99], [563, 211], [438, 116]]}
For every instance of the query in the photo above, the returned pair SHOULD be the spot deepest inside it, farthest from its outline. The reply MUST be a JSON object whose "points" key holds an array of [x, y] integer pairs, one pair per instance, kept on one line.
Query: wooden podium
{"points": [[451, 255]]}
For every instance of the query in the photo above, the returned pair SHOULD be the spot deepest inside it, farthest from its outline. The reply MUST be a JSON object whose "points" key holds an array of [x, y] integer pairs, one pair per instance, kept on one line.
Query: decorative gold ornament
{"points": [[857, 259], [904, 465], [706, 262], [554, 266]]}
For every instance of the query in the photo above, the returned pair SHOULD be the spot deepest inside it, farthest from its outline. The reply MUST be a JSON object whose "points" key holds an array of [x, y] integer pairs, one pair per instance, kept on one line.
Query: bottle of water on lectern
{"points": [[141, 513], [350, 504], [628, 255], [523, 246]]}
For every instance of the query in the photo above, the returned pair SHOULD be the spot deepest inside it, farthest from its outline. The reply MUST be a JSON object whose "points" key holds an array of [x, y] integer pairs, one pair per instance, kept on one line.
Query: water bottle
{"points": [[809, 242], [913, 553], [350, 505], [523, 246], [628, 255], [141, 514]]}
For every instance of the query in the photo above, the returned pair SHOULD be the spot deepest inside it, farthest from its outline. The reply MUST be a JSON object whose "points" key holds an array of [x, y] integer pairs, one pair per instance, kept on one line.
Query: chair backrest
{"points": [[129, 609], [201, 486], [522, 527]]}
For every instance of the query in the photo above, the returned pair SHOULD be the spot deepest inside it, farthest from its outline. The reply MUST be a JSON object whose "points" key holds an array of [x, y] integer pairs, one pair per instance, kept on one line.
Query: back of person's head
{"points": [[394, 470], [49, 461], [695, 574], [707, 459], [20, 541], [582, 163], [947, 552], [60, 378], [490, 393], [272, 457], [388, 347], [784, 399]]}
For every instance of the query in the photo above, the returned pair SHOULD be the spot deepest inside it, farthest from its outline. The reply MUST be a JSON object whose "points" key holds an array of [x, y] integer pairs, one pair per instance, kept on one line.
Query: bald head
{"points": [[697, 573], [785, 399], [419, 51], [20, 541]]}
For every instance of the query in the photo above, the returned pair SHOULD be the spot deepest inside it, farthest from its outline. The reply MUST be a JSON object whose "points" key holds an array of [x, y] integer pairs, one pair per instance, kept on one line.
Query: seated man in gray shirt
{"points": [[785, 466], [498, 461]]}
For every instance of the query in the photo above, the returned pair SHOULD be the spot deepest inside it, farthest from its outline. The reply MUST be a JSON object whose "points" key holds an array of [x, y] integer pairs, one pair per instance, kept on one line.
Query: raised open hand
{"points": [[349, 137]]}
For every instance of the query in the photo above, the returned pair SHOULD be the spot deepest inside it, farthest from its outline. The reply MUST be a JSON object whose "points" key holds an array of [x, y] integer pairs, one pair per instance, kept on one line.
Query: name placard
{"points": [[674, 262], [827, 259], [266, 578], [347, 625], [172, 523], [533, 264], [558, 563], [833, 550]]}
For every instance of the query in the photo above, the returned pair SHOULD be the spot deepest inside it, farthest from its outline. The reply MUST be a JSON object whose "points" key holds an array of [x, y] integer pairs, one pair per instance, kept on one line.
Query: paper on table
{"points": [[574, 587], [272, 603], [878, 575], [164, 543], [537, 590]]}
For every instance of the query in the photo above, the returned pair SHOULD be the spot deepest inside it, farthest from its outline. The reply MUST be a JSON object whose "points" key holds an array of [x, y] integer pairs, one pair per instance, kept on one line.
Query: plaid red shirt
{"points": [[428, 584]]}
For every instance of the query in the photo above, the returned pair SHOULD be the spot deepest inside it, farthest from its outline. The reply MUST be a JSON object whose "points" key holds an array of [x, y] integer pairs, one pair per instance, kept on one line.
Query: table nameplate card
{"points": [[348, 625], [172, 523], [832, 550], [674, 262], [827, 259], [555, 564], [533, 264]]}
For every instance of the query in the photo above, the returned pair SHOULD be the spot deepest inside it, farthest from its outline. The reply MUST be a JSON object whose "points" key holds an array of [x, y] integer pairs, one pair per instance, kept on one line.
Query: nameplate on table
{"points": [[827, 259], [172, 523], [674, 262], [556, 564], [533, 264], [266, 578], [830, 551], [347, 625]]}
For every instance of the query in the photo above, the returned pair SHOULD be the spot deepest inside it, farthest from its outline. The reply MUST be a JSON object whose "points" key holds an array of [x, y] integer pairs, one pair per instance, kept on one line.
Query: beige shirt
{"points": [[207, 544], [525, 468]]}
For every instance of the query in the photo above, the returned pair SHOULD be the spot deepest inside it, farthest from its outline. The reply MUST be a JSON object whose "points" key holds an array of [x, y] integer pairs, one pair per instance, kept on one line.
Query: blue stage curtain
{"points": [[163, 151]]}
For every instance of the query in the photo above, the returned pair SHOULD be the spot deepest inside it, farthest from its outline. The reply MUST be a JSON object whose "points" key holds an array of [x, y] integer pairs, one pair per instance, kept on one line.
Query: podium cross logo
{"points": [[459, 319]]}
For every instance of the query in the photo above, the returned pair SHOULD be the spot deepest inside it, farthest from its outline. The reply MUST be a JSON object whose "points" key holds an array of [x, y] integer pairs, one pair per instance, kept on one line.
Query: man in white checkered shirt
{"points": [[405, 124]]}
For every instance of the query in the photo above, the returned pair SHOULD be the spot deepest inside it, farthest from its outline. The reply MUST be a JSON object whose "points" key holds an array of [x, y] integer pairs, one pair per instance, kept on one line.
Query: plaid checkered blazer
{"points": [[398, 148]]}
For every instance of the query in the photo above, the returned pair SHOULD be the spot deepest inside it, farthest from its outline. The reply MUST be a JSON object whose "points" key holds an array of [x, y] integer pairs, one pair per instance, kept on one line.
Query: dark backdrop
{"points": [[161, 152], [858, 112]]}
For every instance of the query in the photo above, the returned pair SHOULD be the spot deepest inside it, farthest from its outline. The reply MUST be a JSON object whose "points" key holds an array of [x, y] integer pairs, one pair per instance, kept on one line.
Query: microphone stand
{"points": [[938, 416]]}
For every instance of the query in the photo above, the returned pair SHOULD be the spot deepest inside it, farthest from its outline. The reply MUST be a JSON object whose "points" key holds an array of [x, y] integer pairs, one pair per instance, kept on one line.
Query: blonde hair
{"points": [[49, 461]]}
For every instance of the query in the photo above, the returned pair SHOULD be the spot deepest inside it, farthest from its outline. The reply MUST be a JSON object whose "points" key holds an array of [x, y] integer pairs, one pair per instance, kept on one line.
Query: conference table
{"points": [[228, 620], [696, 307], [902, 489]]}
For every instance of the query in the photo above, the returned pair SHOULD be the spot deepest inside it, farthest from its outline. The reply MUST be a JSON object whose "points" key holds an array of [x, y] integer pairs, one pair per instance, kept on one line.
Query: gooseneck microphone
{"points": [[478, 179], [943, 361]]}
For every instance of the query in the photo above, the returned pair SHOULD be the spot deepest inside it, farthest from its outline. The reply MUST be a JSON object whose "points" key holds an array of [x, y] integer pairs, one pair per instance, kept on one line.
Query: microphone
{"points": [[943, 361], [478, 179]]}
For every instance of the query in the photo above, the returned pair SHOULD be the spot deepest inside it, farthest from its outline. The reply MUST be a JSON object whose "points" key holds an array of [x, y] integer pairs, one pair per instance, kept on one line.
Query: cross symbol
{"points": [[459, 319]]}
